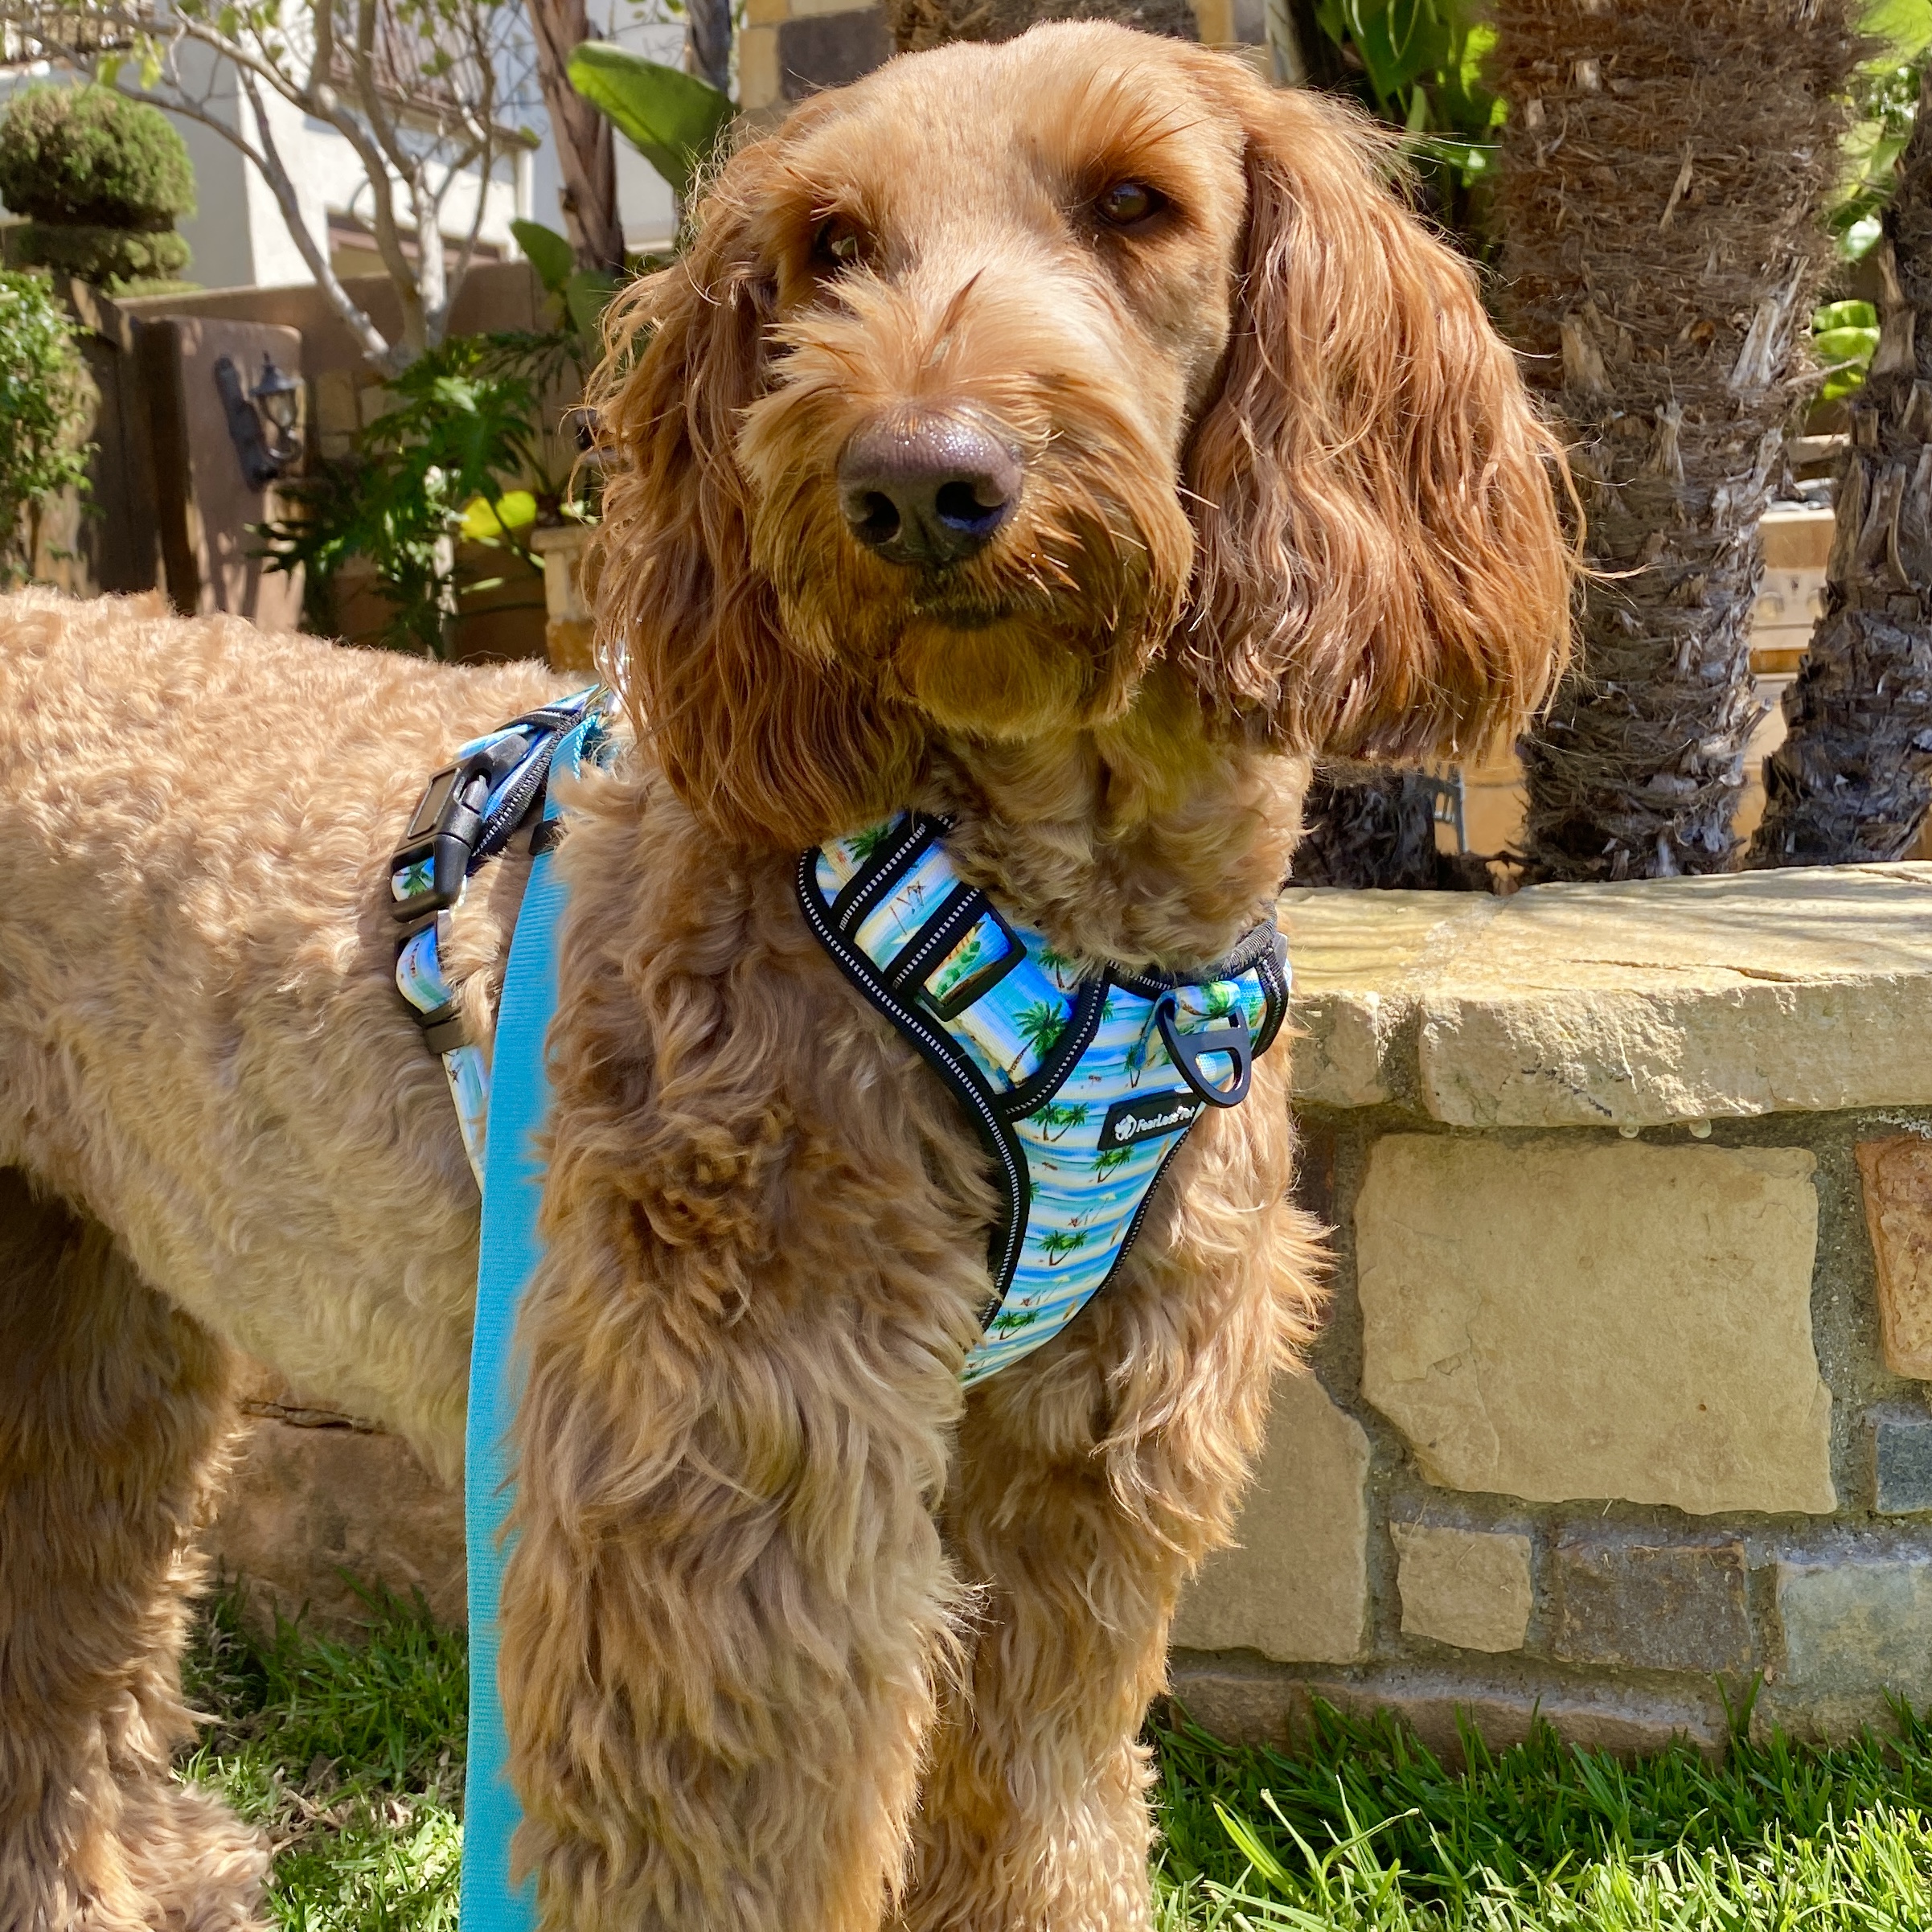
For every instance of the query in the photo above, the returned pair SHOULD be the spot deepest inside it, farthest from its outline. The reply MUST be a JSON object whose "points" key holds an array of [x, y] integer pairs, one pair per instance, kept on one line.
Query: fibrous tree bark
{"points": [[586, 154], [1853, 779], [1663, 171], [917, 24], [1366, 827]]}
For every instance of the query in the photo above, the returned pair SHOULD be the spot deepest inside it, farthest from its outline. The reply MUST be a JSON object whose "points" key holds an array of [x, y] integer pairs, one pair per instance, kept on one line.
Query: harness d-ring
{"points": [[1188, 1050]]}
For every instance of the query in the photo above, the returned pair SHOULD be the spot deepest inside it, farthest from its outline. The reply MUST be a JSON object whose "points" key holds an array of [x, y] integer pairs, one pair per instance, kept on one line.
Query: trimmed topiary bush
{"points": [[110, 257], [103, 180], [44, 400]]}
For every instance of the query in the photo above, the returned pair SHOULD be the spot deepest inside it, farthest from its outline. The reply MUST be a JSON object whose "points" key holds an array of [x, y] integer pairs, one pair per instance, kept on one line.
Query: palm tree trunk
{"points": [[1853, 778], [1663, 171], [584, 152], [1365, 827], [919, 24]]}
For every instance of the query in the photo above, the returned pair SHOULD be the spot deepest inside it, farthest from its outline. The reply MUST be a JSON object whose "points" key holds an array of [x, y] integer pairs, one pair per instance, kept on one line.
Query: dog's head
{"points": [[989, 379]]}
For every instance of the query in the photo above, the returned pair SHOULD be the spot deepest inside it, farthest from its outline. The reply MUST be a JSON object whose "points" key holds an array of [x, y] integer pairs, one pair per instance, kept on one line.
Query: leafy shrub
{"points": [[108, 257], [90, 156], [460, 456], [44, 398], [103, 178]]}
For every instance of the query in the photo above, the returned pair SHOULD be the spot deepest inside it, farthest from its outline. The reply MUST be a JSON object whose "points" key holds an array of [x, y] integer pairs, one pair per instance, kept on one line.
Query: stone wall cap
{"points": [[1634, 1004]]}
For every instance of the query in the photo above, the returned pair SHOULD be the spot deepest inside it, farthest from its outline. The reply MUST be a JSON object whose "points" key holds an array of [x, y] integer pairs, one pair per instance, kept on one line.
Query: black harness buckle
{"points": [[454, 825], [427, 870]]}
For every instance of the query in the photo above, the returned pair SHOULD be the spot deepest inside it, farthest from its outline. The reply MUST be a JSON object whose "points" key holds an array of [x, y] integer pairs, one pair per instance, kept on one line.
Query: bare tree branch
{"points": [[416, 96], [269, 162]]}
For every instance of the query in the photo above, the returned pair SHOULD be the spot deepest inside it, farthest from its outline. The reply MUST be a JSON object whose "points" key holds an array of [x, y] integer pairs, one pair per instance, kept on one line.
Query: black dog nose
{"points": [[922, 488]]}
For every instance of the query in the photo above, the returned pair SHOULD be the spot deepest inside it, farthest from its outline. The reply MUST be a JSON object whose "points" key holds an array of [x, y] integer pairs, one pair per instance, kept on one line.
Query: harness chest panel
{"points": [[1083, 1089]]}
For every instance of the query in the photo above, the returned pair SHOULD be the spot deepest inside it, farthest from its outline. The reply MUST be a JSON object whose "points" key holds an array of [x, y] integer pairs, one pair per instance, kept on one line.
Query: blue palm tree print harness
{"points": [[1083, 1089]]}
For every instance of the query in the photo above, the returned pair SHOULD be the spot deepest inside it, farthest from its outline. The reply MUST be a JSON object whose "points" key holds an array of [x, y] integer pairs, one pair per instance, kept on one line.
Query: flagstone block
{"points": [[1901, 1461], [1856, 1624], [1296, 1587], [1651, 1605], [1557, 1320], [1896, 1173], [1468, 1587]]}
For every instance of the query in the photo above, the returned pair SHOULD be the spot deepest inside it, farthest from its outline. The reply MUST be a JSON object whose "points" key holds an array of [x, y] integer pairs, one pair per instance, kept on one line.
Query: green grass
{"points": [[1369, 1831], [352, 1757]]}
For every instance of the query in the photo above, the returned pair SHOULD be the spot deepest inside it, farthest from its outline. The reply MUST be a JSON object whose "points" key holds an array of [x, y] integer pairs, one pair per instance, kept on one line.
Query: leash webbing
{"points": [[513, 1189]]}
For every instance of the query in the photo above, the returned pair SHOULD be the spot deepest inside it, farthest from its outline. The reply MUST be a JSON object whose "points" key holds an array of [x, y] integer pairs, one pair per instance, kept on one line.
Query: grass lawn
{"points": [[352, 1757]]}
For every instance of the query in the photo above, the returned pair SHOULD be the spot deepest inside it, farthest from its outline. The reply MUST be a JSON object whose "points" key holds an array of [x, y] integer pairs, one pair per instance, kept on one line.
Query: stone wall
{"points": [[1622, 1403]]}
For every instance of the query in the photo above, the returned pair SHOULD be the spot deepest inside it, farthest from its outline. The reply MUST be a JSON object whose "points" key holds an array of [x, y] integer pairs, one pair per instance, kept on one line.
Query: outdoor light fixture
{"points": [[276, 396]]}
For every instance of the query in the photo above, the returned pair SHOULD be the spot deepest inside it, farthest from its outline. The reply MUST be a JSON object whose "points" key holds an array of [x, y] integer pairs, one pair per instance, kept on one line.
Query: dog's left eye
{"points": [[839, 244], [1129, 203]]}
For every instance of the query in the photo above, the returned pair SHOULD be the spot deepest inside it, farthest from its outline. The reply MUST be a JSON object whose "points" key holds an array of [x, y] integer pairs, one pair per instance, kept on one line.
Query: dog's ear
{"points": [[1381, 568], [771, 746]]}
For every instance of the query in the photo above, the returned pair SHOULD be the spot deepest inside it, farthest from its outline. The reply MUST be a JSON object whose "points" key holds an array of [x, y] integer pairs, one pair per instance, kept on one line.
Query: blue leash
{"points": [[513, 1191]]}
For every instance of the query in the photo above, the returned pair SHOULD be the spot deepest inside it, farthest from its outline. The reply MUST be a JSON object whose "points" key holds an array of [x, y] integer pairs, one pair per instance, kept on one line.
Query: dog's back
{"points": [[200, 1044]]}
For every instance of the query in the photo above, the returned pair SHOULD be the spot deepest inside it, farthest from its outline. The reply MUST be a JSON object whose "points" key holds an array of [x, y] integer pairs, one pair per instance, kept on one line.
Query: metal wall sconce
{"points": [[277, 397]]}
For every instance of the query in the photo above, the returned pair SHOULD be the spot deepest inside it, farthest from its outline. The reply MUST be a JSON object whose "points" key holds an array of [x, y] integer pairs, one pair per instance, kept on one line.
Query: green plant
{"points": [[580, 293], [673, 119], [102, 179], [44, 402], [459, 459], [1418, 65], [1366, 1830], [349, 1755], [1844, 338], [352, 1757], [89, 155]]}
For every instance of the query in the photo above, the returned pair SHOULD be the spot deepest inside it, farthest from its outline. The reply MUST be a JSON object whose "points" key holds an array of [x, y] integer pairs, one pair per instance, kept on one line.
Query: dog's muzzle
{"points": [[926, 488]]}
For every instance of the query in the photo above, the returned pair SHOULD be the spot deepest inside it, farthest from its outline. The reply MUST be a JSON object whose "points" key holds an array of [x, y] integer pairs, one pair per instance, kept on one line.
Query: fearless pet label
{"points": [[1130, 1120]]}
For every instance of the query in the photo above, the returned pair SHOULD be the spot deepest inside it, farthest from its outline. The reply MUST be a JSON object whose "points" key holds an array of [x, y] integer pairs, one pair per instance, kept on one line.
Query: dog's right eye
{"points": [[839, 244], [1128, 203]]}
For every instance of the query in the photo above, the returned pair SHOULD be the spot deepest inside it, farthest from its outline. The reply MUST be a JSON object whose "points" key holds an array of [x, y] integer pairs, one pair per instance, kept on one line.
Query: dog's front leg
{"points": [[722, 1619], [728, 1602], [1091, 1478]]}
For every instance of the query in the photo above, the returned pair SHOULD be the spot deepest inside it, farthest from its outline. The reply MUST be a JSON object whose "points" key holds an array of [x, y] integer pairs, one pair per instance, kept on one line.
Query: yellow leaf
{"points": [[483, 519]]}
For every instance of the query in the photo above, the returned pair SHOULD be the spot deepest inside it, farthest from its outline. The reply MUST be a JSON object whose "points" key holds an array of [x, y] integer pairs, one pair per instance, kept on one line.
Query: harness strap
{"points": [[1083, 1089], [469, 811]]}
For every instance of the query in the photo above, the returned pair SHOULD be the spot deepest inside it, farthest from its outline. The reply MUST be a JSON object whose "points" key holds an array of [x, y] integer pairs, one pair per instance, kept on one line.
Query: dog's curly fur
{"points": [[796, 1634]]}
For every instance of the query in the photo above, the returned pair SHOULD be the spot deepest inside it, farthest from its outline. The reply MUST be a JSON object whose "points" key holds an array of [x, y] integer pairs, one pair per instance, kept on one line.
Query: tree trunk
{"points": [[1369, 828], [584, 150], [1853, 778], [918, 24], [1663, 171]]}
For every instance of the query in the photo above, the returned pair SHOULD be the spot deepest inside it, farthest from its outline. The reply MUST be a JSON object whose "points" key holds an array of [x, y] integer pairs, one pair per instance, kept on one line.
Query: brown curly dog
{"points": [[1071, 436]]}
